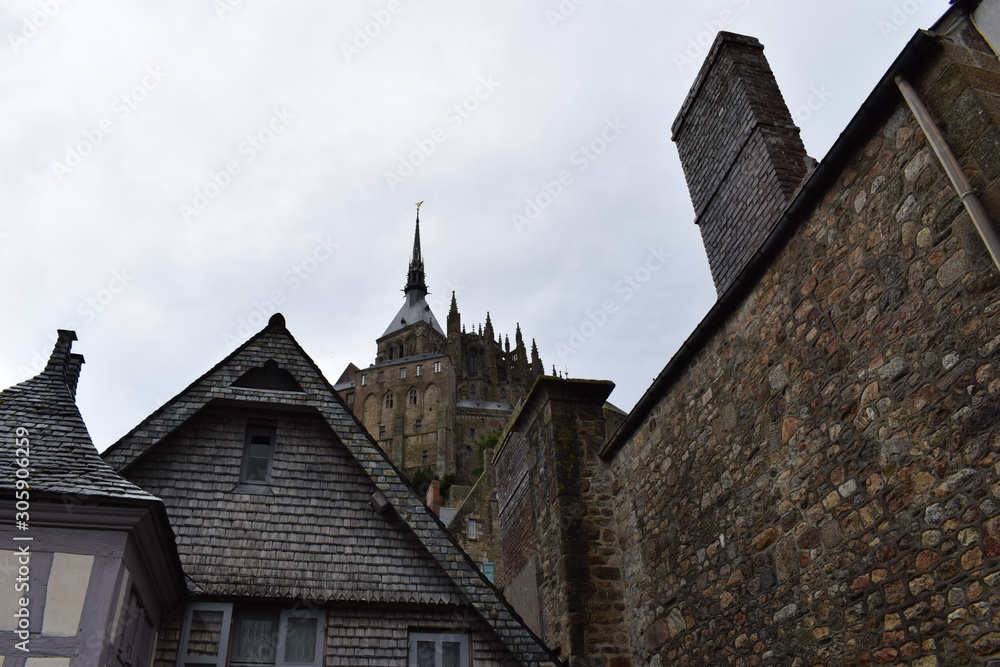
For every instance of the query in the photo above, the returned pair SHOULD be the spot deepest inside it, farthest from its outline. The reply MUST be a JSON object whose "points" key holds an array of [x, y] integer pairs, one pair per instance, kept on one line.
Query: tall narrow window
{"points": [[411, 396], [364, 379], [437, 366], [258, 450], [419, 426], [402, 373], [471, 529], [381, 432], [420, 370], [390, 400]]}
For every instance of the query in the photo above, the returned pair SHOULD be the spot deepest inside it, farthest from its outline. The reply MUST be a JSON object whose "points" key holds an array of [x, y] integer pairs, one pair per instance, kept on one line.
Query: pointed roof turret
{"points": [[415, 309], [415, 279]]}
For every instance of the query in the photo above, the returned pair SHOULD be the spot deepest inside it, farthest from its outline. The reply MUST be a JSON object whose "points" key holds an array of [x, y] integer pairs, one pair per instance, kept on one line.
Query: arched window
{"points": [[390, 400], [412, 396]]}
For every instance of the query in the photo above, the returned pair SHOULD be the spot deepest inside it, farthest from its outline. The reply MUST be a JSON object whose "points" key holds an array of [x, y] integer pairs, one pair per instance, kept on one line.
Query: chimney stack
{"points": [[742, 154], [434, 497]]}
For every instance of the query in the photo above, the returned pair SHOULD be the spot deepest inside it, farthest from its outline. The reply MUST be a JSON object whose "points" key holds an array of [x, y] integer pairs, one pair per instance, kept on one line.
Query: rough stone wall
{"points": [[481, 505], [557, 519], [821, 485]]}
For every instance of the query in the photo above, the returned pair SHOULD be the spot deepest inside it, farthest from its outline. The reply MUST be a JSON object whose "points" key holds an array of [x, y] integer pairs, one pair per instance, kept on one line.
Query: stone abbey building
{"points": [[431, 392]]}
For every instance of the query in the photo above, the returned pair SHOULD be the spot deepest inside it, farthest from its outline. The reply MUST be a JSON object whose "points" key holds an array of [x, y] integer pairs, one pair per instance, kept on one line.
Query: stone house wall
{"points": [[820, 482]]}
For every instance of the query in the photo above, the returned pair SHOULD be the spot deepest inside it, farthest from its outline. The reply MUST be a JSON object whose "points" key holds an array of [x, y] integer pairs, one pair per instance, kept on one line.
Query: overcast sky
{"points": [[173, 172]]}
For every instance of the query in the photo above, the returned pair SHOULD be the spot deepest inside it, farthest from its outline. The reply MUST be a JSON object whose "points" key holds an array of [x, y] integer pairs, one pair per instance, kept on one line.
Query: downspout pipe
{"points": [[980, 218]]}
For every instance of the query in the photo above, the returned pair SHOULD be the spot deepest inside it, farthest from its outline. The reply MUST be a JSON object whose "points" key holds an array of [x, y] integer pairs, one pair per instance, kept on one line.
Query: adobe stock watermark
{"points": [[121, 109], [899, 15], [815, 101], [453, 118], [365, 34], [585, 155], [696, 47], [442, 304], [91, 306], [564, 10], [225, 7], [248, 150], [296, 275], [625, 288], [30, 25]]}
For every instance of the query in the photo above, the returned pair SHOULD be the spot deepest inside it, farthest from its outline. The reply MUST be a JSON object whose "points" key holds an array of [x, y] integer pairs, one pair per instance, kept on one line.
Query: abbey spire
{"points": [[415, 277]]}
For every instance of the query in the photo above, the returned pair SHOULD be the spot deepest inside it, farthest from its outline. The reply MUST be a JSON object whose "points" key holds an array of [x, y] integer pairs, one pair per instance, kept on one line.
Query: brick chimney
{"points": [[741, 153], [434, 497]]}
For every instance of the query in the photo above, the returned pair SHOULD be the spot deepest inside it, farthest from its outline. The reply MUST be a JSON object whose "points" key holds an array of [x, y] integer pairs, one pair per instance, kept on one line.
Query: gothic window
{"points": [[390, 400], [399, 350], [473, 393], [473, 362], [411, 396]]}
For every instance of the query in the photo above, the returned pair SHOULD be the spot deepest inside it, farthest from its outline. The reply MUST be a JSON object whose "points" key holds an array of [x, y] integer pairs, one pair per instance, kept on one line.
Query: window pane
{"points": [[300, 640], [256, 470], [259, 451], [425, 654], [254, 639], [451, 654], [205, 634]]}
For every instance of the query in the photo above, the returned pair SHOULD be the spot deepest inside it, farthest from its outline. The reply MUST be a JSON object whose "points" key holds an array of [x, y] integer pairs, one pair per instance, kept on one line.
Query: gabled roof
{"points": [[62, 456], [275, 342]]}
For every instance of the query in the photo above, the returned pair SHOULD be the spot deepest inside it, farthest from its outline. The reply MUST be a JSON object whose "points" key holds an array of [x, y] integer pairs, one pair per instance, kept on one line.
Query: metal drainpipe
{"points": [[980, 218]]}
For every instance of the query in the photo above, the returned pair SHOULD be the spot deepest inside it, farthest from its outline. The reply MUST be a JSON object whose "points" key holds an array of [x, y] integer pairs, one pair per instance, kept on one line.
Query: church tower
{"points": [[431, 393]]}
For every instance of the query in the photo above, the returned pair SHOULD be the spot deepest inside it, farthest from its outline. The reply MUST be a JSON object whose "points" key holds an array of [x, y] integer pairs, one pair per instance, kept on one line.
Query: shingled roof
{"points": [[457, 579], [62, 456]]}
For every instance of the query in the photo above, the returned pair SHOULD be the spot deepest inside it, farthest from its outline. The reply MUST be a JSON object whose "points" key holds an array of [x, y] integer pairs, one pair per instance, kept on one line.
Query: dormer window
{"points": [[258, 451]]}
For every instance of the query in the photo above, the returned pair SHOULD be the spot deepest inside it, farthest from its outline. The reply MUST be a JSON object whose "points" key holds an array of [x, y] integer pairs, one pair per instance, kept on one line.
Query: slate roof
{"points": [[275, 342], [415, 309], [62, 456]]}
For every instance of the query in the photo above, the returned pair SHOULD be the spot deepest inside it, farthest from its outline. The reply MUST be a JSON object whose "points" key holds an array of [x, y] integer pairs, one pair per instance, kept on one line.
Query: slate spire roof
{"points": [[62, 456], [445, 561], [415, 309]]}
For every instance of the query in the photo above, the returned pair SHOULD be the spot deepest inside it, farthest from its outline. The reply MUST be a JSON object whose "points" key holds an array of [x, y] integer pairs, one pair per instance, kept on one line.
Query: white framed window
{"points": [[364, 379], [438, 649], [216, 634], [437, 366], [420, 370], [471, 529], [402, 373]]}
